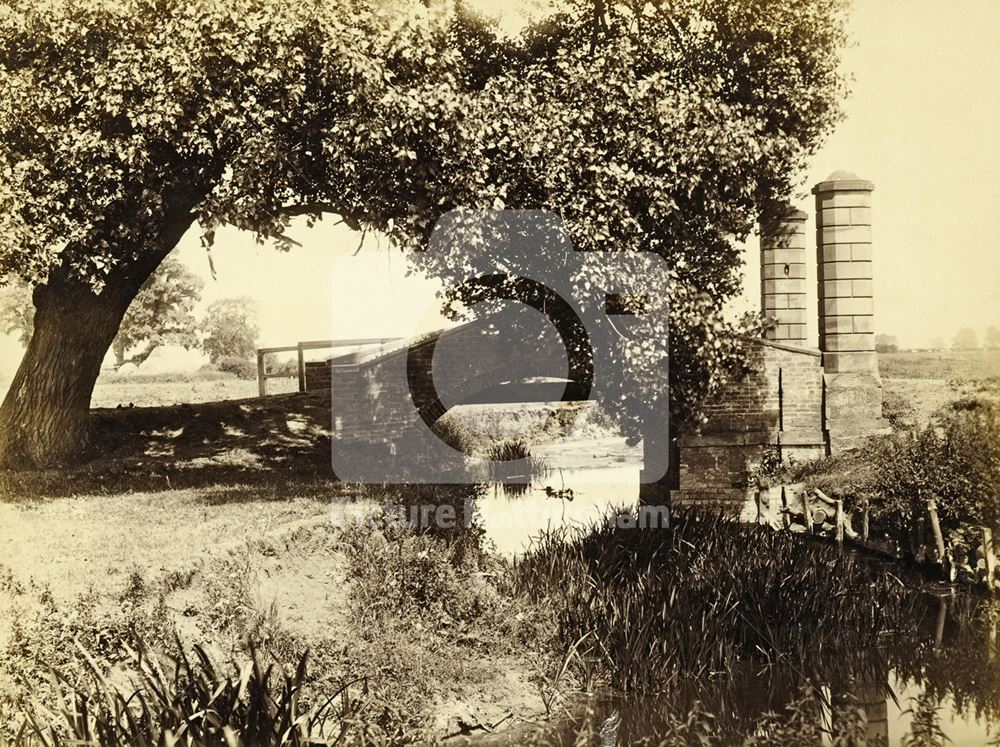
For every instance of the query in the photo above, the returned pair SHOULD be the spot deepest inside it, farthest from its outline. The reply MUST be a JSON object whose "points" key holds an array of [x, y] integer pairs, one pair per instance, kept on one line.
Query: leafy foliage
{"points": [[955, 461], [231, 330], [162, 313], [196, 702], [16, 311], [242, 368], [668, 128], [965, 339], [707, 595]]}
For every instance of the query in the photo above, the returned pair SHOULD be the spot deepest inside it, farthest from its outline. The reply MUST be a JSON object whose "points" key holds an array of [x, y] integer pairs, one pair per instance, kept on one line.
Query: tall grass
{"points": [[512, 465], [194, 702], [706, 596]]}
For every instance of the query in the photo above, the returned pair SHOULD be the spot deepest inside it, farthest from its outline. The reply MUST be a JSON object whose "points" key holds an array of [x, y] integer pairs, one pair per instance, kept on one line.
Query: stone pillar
{"points": [[783, 276], [853, 389]]}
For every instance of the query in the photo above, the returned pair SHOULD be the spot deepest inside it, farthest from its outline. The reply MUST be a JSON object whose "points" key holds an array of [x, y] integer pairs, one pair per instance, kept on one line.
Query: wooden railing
{"points": [[263, 374]]}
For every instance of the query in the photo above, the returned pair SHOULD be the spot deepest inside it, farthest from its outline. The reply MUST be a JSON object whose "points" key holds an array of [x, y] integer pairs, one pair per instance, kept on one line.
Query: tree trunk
{"points": [[44, 417]]}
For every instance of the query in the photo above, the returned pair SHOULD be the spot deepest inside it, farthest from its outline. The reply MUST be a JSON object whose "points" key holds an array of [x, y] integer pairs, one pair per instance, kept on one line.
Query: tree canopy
{"points": [[161, 313], [663, 127], [965, 339], [231, 329]]}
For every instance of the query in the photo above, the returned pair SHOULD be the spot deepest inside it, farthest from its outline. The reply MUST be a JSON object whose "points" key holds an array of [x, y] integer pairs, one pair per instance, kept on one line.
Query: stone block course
{"points": [[844, 235], [854, 342], [847, 307], [777, 271], [842, 199], [845, 271]]}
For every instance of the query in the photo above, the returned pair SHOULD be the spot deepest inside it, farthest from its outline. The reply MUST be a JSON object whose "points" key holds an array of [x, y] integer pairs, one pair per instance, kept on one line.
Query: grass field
{"points": [[969, 365], [159, 392]]}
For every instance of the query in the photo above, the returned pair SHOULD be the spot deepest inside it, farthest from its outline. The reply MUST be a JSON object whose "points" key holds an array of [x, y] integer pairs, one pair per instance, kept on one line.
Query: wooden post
{"points": [[785, 519], [936, 529], [826, 715], [989, 559], [302, 367], [261, 375], [919, 552], [806, 513], [991, 643], [864, 524], [839, 521]]}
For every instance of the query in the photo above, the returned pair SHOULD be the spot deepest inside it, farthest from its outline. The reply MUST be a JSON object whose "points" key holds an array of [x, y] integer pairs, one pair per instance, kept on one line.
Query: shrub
{"points": [[956, 461], [243, 368], [398, 571]]}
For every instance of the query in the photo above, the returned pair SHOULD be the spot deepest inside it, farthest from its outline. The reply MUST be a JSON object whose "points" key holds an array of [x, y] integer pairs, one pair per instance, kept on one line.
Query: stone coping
{"points": [[844, 185], [754, 438], [788, 347]]}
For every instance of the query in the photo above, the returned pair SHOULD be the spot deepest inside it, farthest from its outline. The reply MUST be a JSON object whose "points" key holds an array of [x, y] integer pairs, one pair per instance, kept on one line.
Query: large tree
{"points": [[161, 313], [231, 329], [668, 127]]}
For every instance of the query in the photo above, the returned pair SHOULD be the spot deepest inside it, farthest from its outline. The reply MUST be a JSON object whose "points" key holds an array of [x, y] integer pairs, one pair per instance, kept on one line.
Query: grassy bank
{"points": [[424, 634], [418, 623]]}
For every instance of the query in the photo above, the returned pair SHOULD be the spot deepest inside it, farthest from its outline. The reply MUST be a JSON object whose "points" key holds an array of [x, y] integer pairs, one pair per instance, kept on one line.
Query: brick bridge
{"points": [[381, 393], [800, 400]]}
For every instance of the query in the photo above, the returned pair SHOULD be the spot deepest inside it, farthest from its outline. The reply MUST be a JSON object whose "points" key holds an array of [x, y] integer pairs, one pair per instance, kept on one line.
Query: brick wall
{"points": [[778, 405]]}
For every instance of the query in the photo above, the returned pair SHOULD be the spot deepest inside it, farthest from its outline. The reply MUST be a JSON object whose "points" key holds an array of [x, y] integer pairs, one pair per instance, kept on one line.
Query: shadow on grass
{"points": [[254, 448]]}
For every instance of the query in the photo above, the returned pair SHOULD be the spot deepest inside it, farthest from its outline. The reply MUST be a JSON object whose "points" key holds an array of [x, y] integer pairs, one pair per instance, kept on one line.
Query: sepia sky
{"points": [[922, 123]]}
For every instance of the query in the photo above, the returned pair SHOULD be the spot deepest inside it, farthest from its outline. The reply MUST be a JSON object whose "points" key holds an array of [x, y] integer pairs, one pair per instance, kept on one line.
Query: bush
{"points": [[956, 461], [242, 368], [194, 701], [398, 571]]}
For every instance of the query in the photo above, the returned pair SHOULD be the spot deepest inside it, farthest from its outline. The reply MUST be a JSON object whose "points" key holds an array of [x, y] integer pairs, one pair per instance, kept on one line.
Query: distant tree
{"points": [[991, 340], [16, 311], [231, 329], [162, 312], [937, 343], [886, 343], [965, 339]]}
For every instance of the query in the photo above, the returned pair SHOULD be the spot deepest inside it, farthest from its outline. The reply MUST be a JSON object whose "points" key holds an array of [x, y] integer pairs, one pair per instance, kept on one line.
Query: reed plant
{"points": [[703, 597], [193, 702]]}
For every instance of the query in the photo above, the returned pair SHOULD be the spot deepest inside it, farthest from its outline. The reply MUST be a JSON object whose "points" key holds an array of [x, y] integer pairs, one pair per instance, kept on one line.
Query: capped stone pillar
{"points": [[783, 276], [853, 408], [844, 273]]}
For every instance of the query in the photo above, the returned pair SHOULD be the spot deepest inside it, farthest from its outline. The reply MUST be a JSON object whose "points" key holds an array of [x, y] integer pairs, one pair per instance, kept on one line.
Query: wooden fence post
{"points": [[261, 377], [864, 524], [839, 521], [991, 643], [936, 529], [785, 520], [919, 553], [989, 560], [302, 367], [806, 513]]}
